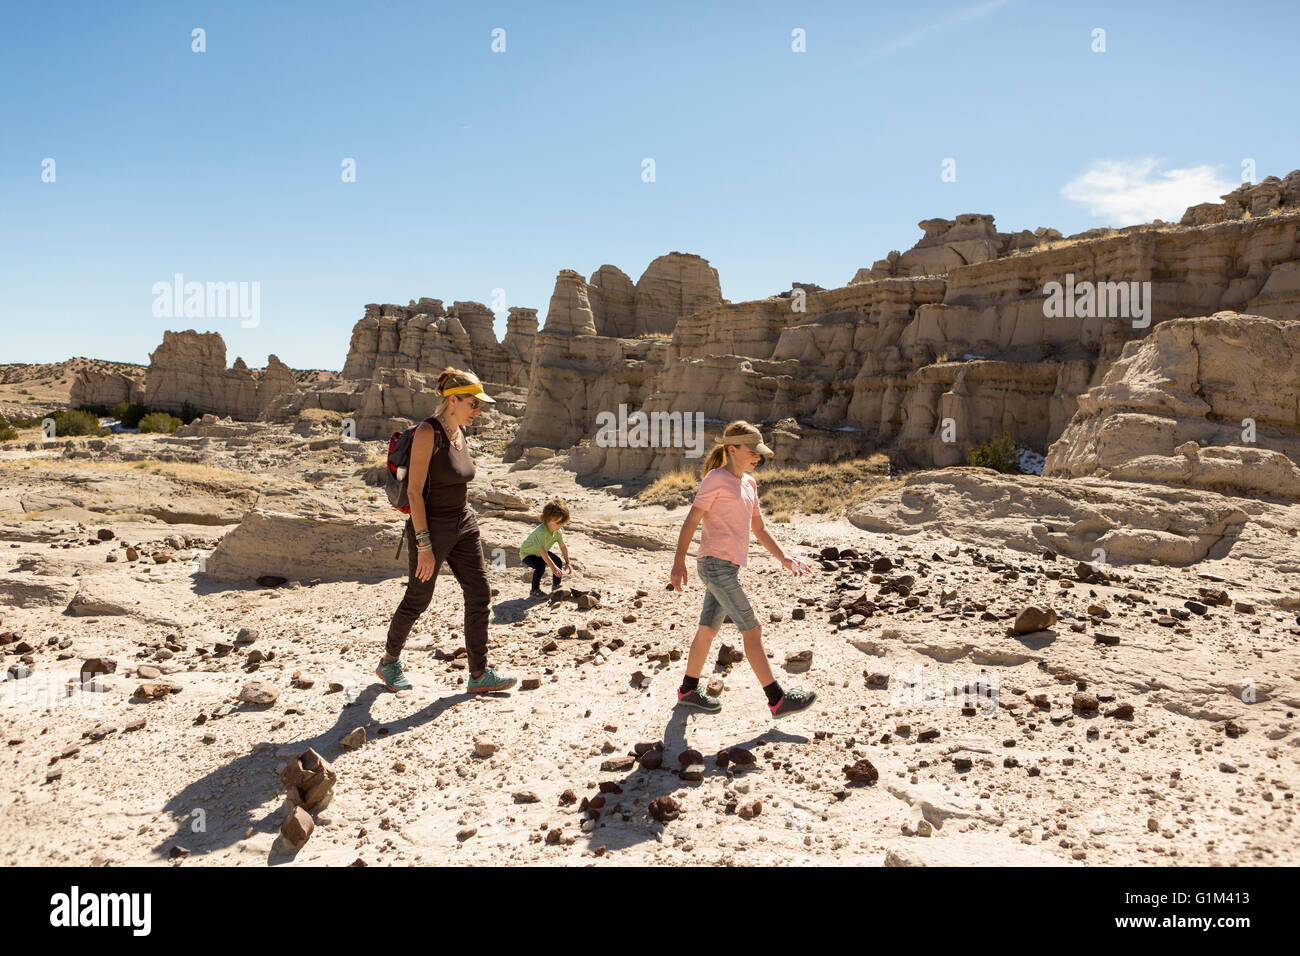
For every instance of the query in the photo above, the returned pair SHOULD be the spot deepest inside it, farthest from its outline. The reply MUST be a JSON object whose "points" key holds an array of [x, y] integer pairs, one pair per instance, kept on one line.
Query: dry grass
{"points": [[825, 488]]}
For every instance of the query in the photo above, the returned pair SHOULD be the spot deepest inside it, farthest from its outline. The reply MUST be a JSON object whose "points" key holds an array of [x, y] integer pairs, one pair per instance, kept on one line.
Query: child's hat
{"points": [[743, 433]]}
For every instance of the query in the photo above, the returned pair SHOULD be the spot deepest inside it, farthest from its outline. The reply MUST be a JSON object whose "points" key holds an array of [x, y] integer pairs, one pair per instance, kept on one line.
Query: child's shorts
{"points": [[723, 595]]}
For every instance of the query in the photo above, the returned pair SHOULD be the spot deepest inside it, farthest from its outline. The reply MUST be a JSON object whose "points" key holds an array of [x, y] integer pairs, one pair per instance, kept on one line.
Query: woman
{"points": [[442, 527]]}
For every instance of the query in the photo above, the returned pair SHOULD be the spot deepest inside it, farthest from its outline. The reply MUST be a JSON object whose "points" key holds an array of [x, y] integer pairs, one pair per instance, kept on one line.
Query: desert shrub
{"points": [[189, 413], [129, 415], [1000, 454], [160, 422], [7, 431], [77, 421]]}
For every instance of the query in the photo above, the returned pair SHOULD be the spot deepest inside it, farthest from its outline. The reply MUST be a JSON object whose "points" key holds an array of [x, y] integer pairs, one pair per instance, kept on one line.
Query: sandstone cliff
{"points": [[190, 367], [935, 364], [95, 388], [1208, 403]]}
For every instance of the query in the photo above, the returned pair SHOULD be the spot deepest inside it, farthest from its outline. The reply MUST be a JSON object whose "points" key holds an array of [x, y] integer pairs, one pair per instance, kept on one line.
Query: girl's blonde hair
{"points": [[450, 378], [740, 429]]}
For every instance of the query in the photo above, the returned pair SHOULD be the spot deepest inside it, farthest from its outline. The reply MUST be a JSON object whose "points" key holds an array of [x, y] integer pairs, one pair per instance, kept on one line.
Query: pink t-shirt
{"points": [[729, 504]]}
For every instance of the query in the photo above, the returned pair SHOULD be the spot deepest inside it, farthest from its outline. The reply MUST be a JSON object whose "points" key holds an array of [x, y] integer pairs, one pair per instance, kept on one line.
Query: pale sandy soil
{"points": [[1168, 786]]}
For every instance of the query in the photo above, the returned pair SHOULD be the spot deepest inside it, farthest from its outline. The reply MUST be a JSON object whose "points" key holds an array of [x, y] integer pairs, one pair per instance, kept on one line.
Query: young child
{"points": [[727, 504], [535, 551]]}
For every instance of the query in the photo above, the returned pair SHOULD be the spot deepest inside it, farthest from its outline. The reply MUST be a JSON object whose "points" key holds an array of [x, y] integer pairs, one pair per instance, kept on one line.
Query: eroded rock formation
{"points": [[190, 367], [91, 387], [1208, 402]]}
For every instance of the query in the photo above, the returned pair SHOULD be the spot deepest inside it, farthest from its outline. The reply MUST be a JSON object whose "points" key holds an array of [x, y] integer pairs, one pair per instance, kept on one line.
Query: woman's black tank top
{"points": [[446, 489]]}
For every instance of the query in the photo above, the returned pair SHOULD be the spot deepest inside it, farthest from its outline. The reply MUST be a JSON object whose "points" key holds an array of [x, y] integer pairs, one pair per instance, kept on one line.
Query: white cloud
{"points": [[965, 15], [1125, 192]]}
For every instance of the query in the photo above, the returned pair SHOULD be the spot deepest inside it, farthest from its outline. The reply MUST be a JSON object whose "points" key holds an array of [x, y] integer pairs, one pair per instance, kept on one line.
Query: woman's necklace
{"points": [[453, 434]]}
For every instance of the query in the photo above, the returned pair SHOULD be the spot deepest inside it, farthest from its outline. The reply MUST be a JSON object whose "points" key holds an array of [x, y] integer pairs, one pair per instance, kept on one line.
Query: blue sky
{"points": [[478, 170]]}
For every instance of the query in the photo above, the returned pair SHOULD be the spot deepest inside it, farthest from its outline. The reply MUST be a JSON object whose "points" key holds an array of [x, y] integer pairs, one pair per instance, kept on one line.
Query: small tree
{"points": [[77, 422], [129, 415], [160, 422], [1000, 454]]}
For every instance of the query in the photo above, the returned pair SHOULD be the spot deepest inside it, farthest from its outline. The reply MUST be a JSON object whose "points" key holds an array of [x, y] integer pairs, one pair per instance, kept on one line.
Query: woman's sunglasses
{"points": [[475, 404]]}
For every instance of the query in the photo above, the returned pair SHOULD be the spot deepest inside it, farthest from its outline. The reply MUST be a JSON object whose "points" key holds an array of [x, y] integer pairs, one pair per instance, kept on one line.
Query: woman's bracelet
{"points": [[424, 547]]}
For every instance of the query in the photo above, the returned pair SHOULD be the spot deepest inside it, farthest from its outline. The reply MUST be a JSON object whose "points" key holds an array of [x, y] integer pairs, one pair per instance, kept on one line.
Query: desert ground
{"points": [[1148, 718]]}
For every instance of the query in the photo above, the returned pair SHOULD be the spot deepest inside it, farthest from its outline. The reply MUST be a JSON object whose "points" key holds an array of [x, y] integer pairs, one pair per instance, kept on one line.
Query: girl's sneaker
{"points": [[698, 699], [393, 676], [791, 702], [536, 593], [489, 682]]}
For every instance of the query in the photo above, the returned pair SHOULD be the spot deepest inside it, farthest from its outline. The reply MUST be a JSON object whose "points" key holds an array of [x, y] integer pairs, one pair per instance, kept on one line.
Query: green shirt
{"points": [[542, 539]]}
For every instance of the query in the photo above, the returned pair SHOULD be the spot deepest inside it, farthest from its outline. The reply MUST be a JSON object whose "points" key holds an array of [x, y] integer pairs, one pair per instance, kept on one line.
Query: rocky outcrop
{"points": [[1086, 519], [673, 286], [306, 547], [1205, 402], [949, 243], [580, 368], [95, 388], [424, 337], [934, 365], [1254, 199], [521, 334], [190, 368], [613, 302]]}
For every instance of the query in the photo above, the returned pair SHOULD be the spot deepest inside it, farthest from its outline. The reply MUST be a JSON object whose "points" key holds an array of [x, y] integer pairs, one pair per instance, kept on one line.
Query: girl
{"points": [[442, 527], [727, 503], [535, 551]]}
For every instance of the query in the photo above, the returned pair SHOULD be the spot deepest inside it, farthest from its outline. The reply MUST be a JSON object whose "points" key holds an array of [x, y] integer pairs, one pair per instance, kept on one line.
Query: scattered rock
{"points": [[798, 661], [98, 665], [485, 748], [747, 811], [665, 809], [863, 771], [353, 739], [297, 827], [259, 693], [1034, 618]]}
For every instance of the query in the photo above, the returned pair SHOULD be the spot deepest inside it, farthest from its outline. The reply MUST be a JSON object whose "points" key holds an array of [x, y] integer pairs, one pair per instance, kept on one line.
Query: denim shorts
{"points": [[723, 595]]}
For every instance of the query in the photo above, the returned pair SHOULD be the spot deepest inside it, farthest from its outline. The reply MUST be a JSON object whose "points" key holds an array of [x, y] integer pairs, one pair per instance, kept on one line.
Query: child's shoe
{"points": [[791, 702], [699, 700]]}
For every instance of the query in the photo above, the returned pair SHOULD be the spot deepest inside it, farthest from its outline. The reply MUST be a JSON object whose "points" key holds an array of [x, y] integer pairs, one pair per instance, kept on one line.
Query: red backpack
{"points": [[399, 463]]}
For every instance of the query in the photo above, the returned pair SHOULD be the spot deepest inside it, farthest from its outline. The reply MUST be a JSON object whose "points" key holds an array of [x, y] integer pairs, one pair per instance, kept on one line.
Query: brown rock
{"points": [[152, 691], [665, 809], [297, 827], [1085, 701], [1034, 618], [618, 764], [259, 693], [98, 665], [863, 771], [747, 811]]}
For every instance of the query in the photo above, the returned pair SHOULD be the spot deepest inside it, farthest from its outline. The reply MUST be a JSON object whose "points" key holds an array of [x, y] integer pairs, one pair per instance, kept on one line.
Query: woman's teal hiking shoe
{"points": [[490, 681], [393, 676]]}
